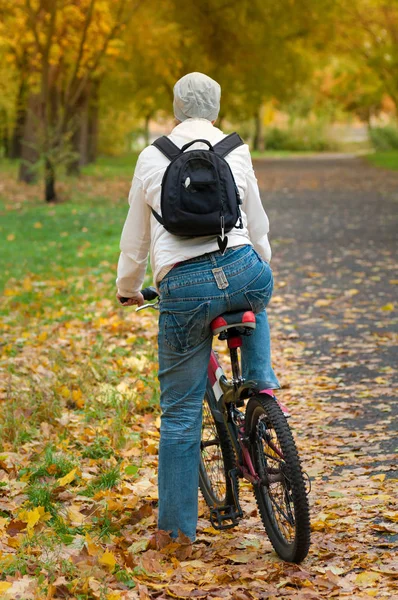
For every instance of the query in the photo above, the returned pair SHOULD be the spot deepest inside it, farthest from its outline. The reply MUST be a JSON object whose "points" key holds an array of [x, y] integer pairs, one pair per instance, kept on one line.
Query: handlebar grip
{"points": [[150, 293]]}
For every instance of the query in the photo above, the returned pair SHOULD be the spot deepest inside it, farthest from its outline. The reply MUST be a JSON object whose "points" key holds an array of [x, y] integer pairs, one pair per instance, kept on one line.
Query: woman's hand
{"points": [[137, 299]]}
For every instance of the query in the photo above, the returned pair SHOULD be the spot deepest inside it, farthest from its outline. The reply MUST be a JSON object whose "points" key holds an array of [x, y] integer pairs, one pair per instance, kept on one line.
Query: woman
{"points": [[187, 274]]}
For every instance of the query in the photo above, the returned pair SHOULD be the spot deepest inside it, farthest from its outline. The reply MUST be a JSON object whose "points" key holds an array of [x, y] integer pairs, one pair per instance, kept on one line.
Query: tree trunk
{"points": [[368, 118], [146, 130], [73, 167], [49, 182], [18, 133], [80, 136], [4, 141], [258, 141], [93, 121], [30, 146], [83, 138]]}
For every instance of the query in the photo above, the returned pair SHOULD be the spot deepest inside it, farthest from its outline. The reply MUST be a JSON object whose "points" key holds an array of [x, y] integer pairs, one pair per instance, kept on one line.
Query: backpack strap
{"points": [[157, 216], [228, 144], [171, 151], [167, 147]]}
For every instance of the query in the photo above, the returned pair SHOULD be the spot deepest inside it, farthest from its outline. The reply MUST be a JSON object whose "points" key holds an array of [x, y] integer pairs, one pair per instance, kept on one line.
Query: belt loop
{"points": [[164, 287], [213, 259]]}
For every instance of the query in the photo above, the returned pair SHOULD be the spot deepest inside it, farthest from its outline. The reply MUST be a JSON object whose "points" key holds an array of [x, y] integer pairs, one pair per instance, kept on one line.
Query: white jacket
{"points": [[142, 233]]}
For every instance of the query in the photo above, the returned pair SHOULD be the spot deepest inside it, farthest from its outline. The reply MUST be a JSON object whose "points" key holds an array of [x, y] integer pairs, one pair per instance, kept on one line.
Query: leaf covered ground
{"points": [[79, 418]]}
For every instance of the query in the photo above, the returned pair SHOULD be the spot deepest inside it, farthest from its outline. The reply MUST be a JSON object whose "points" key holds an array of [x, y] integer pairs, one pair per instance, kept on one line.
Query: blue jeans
{"points": [[190, 298]]}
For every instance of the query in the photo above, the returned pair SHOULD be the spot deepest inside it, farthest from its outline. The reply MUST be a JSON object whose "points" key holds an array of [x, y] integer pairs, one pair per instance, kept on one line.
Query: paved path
{"points": [[333, 234]]}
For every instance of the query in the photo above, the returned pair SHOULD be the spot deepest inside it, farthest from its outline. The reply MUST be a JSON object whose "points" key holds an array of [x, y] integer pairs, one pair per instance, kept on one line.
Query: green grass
{"points": [[47, 241], [385, 160], [81, 233], [105, 167], [43, 239], [106, 481], [54, 464], [43, 406], [40, 494], [278, 153], [99, 448], [109, 167]]}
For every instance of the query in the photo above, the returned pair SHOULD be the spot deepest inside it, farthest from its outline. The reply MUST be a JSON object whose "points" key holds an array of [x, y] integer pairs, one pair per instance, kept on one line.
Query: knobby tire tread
{"points": [[297, 550]]}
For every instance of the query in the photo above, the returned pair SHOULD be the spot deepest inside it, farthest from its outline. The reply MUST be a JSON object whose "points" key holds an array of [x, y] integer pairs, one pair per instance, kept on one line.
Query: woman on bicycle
{"points": [[197, 282]]}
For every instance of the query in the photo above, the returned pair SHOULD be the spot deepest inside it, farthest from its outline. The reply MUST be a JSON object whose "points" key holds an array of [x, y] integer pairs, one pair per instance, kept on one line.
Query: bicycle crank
{"points": [[230, 512]]}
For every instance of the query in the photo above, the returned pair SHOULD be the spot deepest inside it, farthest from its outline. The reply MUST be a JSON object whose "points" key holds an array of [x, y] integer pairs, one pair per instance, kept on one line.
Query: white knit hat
{"points": [[196, 96]]}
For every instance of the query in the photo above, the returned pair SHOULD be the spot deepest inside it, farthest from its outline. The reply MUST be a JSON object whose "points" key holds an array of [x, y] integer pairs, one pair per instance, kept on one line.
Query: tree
{"points": [[248, 46], [142, 86], [257, 50], [367, 37], [9, 86], [67, 45]]}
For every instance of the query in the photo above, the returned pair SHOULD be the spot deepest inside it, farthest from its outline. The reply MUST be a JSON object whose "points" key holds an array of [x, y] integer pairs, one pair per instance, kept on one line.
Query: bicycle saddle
{"points": [[242, 320]]}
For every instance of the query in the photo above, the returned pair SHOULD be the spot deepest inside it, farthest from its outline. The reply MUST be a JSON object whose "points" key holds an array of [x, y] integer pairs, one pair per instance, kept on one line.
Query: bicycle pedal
{"points": [[220, 514]]}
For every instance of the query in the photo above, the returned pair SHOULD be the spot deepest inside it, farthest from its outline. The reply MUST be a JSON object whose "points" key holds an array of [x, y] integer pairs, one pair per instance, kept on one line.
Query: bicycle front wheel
{"points": [[281, 496], [217, 456]]}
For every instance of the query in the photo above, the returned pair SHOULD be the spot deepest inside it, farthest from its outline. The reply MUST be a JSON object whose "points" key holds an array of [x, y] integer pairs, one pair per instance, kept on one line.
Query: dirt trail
{"points": [[334, 239]]}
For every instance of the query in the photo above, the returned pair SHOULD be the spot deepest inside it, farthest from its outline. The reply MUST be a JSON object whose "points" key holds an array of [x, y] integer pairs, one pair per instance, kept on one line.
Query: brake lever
{"points": [[155, 306]]}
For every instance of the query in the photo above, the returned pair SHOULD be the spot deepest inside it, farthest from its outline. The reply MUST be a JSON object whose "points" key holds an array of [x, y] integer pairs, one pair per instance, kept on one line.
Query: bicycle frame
{"points": [[223, 402], [229, 395]]}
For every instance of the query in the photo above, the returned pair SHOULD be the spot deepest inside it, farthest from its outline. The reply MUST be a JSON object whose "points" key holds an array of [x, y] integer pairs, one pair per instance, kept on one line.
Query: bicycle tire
{"points": [[281, 496], [214, 466]]}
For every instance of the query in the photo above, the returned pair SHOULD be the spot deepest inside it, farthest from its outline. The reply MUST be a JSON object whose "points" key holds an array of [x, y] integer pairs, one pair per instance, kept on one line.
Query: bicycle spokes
{"points": [[275, 479], [211, 454]]}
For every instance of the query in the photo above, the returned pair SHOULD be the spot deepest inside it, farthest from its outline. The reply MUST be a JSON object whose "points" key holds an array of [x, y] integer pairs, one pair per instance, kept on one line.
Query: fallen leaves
{"points": [[78, 376], [181, 547], [108, 559], [63, 481], [32, 517], [24, 588], [388, 307], [367, 578]]}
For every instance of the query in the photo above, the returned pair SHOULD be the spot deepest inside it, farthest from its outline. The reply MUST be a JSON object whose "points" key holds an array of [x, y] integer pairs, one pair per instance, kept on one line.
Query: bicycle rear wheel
{"points": [[281, 496], [217, 455]]}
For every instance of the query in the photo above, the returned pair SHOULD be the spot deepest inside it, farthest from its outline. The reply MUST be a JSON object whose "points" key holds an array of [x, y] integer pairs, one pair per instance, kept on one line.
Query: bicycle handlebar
{"points": [[149, 293]]}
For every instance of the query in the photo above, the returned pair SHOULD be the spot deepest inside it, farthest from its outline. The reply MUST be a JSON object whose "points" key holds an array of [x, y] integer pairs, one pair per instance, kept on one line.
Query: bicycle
{"points": [[256, 445]]}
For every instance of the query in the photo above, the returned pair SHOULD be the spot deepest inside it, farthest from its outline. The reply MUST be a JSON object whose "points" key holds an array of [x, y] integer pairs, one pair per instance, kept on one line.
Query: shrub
{"points": [[304, 137], [384, 138], [277, 139]]}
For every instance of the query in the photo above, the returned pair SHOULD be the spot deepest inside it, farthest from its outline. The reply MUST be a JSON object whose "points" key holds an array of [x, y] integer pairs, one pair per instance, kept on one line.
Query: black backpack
{"points": [[199, 194]]}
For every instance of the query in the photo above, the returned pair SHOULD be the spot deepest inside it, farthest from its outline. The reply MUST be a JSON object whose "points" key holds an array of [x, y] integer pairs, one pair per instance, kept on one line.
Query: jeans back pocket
{"points": [[260, 297], [185, 329]]}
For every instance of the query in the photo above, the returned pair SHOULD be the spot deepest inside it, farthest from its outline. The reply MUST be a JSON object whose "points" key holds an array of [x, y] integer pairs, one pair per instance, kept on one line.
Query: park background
{"points": [[312, 86]]}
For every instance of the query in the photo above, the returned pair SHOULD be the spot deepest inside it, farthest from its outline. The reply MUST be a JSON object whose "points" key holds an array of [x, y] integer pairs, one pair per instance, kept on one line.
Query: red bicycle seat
{"points": [[243, 320]]}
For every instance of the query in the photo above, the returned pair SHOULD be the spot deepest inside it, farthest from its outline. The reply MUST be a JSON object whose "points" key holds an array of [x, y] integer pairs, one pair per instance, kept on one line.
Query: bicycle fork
{"points": [[246, 468]]}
